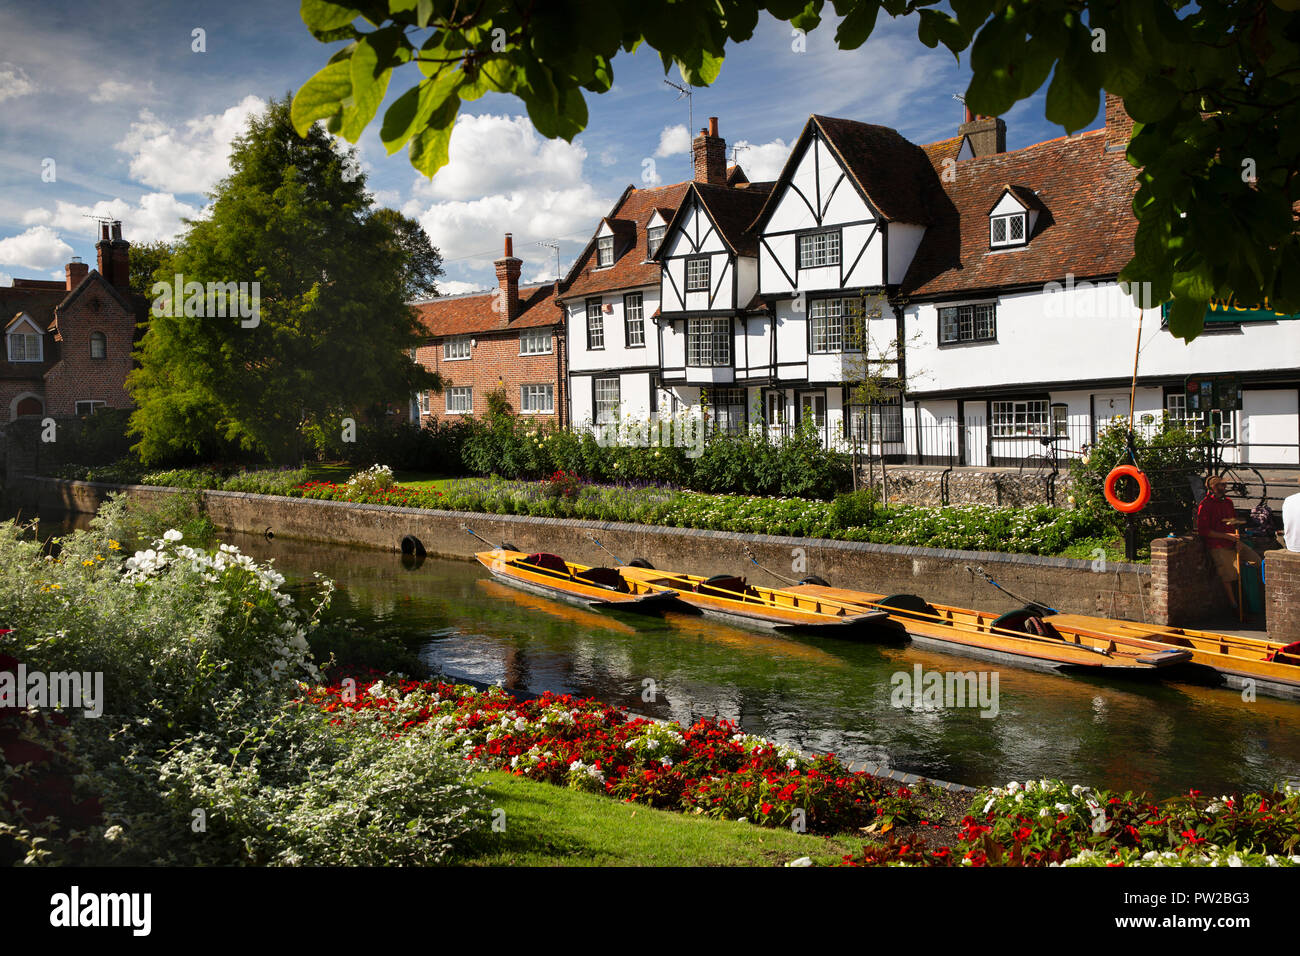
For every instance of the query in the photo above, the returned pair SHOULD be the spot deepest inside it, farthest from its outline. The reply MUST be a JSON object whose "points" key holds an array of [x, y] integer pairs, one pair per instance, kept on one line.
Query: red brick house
{"points": [[67, 347], [509, 340]]}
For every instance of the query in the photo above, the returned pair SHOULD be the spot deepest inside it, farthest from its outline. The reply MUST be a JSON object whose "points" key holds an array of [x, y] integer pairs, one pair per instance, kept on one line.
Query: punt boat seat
{"points": [[604, 577], [722, 585], [548, 561], [1027, 621]]}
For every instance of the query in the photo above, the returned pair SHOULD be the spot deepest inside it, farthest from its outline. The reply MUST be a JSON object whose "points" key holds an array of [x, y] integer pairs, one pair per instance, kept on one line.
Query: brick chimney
{"points": [[114, 255], [988, 134], [710, 151], [508, 269], [76, 270], [1119, 125]]}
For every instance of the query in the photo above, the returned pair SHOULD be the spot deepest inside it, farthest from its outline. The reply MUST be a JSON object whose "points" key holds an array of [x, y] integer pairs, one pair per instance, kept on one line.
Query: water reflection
{"points": [[816, 693]]}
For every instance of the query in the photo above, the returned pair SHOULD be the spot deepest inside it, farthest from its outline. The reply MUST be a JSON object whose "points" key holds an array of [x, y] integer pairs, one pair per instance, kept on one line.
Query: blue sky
{"points": [[138, 127]]}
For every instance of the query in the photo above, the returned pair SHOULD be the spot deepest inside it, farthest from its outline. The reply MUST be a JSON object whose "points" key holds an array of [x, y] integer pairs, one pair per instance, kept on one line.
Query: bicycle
{"points": [[1047, 466]]}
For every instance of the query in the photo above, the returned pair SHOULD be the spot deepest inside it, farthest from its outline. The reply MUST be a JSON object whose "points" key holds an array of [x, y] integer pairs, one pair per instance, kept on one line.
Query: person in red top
{"points": [[1216, 523]]}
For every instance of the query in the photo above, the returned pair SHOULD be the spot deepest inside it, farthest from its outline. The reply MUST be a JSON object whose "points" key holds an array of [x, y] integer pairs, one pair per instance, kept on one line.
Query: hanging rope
{"points": [[1134, 470], [780, 577], [1036, 605]]}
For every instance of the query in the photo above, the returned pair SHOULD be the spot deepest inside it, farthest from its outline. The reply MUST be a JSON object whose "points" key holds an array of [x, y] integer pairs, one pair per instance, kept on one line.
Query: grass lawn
{"points": [[339, 473], [546, 825]]}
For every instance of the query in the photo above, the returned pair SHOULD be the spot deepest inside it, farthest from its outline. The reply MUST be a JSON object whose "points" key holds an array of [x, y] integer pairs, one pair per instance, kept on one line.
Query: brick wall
{"points": [[495, 363], [77, 377], [1185, 589], [1282, 595]]}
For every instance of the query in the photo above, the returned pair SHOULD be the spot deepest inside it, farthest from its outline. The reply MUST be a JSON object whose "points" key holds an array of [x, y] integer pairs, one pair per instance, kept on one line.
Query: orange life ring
{"points": [[1144, 489]]}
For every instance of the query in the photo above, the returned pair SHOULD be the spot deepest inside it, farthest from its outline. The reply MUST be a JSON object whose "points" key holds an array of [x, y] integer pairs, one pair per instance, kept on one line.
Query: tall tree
{"points": [[316, 281], [423, 260], [146, 259], [1214, 88]]}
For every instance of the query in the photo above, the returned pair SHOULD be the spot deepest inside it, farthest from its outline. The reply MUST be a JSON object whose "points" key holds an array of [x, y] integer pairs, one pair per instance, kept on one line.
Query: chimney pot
{"points": [[508, 269], [713, 126]]}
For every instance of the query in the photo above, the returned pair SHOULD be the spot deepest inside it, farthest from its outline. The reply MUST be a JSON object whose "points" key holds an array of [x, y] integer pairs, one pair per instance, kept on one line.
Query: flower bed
{"points": [[1047, 823], [709, 768]]}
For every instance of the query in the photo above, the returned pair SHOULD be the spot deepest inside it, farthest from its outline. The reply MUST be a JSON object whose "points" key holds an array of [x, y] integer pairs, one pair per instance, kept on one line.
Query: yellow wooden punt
{"points": [[735, 601], [998, 637], [551, 576], [1270, 667]]}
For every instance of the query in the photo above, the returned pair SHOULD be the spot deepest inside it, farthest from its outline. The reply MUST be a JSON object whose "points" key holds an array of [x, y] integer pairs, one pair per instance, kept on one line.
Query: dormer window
{"points": [[654, 238], [1007, 230], [605, 251], [25, 342]]}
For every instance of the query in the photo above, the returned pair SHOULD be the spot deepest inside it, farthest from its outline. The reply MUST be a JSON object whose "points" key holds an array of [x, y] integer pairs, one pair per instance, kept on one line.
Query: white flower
{"points": [[172, 535]]}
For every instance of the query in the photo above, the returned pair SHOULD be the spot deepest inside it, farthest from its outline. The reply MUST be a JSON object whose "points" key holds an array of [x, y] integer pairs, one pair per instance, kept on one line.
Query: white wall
{"points": [[1080, 335], [616, 353]]}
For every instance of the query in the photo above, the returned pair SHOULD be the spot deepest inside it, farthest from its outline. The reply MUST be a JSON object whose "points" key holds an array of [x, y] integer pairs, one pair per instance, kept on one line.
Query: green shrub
{"points": [[1173, 460]]}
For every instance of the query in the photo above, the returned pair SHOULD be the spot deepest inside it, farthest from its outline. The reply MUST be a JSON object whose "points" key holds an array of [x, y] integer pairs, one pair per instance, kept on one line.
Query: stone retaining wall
{"points": [[925, 485], [943, 576]]}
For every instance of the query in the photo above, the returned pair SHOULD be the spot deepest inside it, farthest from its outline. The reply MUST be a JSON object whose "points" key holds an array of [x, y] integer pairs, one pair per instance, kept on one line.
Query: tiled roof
{"points": [[473, 313], [630, 269], [1086, 224], [733, 209], [944, 149], [894, 172]]}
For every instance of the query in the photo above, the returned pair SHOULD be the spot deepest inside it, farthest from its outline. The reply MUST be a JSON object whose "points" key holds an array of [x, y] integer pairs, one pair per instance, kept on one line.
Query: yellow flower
{"points": [[88, 563], [114, 545]]}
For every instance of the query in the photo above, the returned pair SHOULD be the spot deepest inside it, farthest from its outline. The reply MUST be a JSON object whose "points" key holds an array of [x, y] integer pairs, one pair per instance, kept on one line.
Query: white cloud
{"points": [[762, 162], [457, 287], [38, 248], [6, 279], [474, 229], [190, 158], [109, 91], [14, 82], [156, 216], [608, 156], [674, 140], [497, 154], [503, 177]]}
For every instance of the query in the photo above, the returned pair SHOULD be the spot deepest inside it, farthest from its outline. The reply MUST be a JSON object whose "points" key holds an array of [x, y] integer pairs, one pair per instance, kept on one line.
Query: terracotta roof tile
{"points": [[473, 313], [630, 268], [1085, 225]]}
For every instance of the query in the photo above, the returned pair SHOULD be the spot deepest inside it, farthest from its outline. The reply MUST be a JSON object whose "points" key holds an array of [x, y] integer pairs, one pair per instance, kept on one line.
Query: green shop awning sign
{"points": [[1228, 310]]}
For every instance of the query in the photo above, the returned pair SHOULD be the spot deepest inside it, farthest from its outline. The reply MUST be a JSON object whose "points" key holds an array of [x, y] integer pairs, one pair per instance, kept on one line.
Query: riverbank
{"points": [[948, 576]]}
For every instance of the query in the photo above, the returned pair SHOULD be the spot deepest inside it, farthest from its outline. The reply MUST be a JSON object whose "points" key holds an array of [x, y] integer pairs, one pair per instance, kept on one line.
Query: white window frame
{"points": [[94, 403], [537, 399], [698, 279], [28, 331], [634, 320], [1006, 223], [819, 249], [606, 407], [453, 347], [1020, 418], [535, 341], [653, 242], [708, 343], [460, 400], [604, 252], [969, 322], [595, 324], [730, 407]]}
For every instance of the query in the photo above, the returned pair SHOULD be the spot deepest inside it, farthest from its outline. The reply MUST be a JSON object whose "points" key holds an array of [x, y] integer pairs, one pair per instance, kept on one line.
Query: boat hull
{"points": [[504, 567], [973, 634], [761, 608]]}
